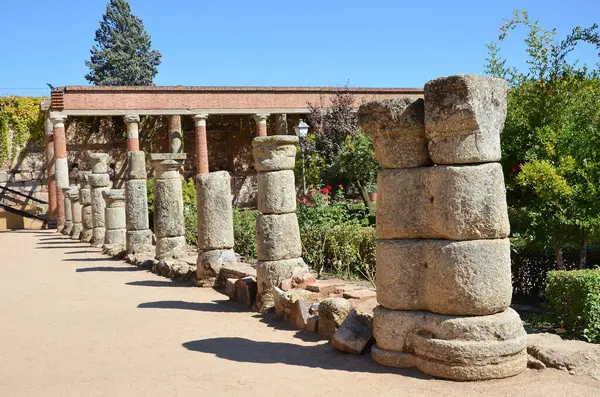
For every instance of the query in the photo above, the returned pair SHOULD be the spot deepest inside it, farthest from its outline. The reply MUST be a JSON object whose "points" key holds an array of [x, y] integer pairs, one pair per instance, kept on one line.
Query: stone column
{"points": [[169, 226], [281, 125], [59, 140], [277, 232], [51, 174], [443, 257], [66, 230], [100, 181], [139, 236], [85, 199], [201, 144], [133, 139], [114, 215], [261, 124], [175, 134], [76, 209]]}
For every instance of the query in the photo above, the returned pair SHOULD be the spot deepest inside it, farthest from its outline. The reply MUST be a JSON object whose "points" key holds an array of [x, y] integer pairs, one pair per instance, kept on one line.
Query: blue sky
{"points": [[376, 43]]}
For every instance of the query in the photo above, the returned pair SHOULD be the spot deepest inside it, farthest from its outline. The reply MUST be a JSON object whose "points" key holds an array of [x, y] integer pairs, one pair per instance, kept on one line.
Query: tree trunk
{"points": [[560, 262], [365, 196], [585, 239]]}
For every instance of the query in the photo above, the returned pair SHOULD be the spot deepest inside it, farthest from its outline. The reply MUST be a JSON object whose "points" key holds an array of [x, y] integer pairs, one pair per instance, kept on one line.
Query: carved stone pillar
{"points": [[261, 124], [85, 198], [66, 230], [201, 144], [114, 216], [133, 139], [61, 166], [51, 174], [139, 235], [100, 181], [169, 225], [443, 256], [175, 134], [277, 231], [76, 209]]}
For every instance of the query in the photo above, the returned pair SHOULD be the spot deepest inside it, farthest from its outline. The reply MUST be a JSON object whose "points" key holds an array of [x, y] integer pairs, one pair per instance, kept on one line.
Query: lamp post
{"points": [[301, 131]]}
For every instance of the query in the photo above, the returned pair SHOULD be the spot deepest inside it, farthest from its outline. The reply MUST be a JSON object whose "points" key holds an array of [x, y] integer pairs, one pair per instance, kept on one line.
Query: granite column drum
{"points": [[139, 235], [277, 231], [215, 226], [76, 211], [85, 199], [114, 216], [169, 225], [100, 182], [443, 257], [66, 230]]}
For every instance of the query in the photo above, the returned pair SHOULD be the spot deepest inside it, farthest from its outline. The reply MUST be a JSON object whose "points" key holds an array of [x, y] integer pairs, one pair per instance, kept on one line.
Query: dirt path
{"points": [[74, 323]]}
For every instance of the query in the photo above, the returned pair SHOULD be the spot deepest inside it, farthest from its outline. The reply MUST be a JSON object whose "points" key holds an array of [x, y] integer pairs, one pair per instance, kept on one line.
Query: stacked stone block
{"points": [[169, 225], [443, 257], [85, 198], [215, 226], [138, 236], [277, 231], [100, 182], [66, 230], [114, 215], [76, 213]]}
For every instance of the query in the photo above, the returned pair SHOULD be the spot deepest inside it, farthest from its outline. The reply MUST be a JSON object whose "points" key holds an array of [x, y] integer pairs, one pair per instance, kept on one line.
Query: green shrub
{"points": [[244, 232], [189, 211], [573, 297], [350, 250]]}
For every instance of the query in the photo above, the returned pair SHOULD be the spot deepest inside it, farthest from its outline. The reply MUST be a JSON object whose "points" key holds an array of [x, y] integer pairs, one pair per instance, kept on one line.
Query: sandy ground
{"points": [[74, 323]]}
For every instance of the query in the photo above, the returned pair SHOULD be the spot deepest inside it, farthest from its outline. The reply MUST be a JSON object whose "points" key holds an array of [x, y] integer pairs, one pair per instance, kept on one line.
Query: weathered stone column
{"points": [[100, 181], [59, 140], [277, 232], [51, 174], [85, 199], [114, 215], [169, 226], [66, 230], [443, 257], [261, 124], [175, 134], [133, 138], [139, 235], [76, 209]]}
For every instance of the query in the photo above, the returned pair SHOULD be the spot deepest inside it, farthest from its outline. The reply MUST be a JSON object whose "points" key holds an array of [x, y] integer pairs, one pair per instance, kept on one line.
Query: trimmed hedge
{"points": [[573, 297]]}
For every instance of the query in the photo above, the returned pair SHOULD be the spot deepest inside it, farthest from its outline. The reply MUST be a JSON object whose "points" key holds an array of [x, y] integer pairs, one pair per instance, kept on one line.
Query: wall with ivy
{"points": [[20, 123]]}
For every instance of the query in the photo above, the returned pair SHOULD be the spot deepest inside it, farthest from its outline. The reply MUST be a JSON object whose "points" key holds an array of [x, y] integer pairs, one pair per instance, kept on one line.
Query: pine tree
{"points": [[123, 53]]}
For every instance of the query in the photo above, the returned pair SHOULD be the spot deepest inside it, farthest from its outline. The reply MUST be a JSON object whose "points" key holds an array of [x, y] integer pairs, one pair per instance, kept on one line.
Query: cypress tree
{"points": [[123, 53]]}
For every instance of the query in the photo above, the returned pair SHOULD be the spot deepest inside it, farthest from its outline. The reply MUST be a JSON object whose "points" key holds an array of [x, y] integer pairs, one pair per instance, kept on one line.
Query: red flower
{"points": [[325, 190]]}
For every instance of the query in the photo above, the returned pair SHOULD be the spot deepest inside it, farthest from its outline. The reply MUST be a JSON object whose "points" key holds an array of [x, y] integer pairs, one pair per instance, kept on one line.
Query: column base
{"points": [[138, 241], [170, 247], [209, 264], [98, 237], [269, 274], [451, 347], [76, 231], [66, 230], [86, 235], [115, 237]]}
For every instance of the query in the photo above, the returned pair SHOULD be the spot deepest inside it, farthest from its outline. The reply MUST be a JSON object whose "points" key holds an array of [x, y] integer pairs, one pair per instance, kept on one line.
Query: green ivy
{"points": [[22, 116]]}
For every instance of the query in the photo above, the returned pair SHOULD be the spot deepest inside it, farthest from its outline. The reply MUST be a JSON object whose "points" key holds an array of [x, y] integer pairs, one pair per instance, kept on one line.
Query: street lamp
{"points": [[301, 132]]}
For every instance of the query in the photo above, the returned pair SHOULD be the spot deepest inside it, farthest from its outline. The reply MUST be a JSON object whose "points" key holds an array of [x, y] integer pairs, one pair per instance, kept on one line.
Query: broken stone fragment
{"points": [[325, 286], [464, 116], [300, 313], [353, 335], [209, 264], [231, 289], [246, 291], [332, 313], [312, 323]]}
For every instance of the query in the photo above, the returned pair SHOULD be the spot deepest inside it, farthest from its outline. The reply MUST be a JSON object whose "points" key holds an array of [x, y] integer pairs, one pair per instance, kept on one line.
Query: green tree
{"points": [[550, 138], [122, 54]]}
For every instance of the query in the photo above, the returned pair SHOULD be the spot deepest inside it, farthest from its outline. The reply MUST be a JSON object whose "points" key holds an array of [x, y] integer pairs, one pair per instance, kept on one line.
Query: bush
{"points": [[189, 211], [573, 297], [350, 250], [244, 232]]}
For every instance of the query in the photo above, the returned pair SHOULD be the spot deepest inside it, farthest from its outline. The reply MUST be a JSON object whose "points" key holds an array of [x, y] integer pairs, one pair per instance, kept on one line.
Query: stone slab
{"points": [[360, 294], [326, 286], [353, 336]]}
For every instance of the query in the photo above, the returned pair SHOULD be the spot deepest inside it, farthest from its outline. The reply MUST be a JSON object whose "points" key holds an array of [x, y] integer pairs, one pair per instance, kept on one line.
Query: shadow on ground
{"points": [[159, 283], [319, 356], [102, 259], [108, 269], [218, 306], [279, 323], [81, 252]]}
